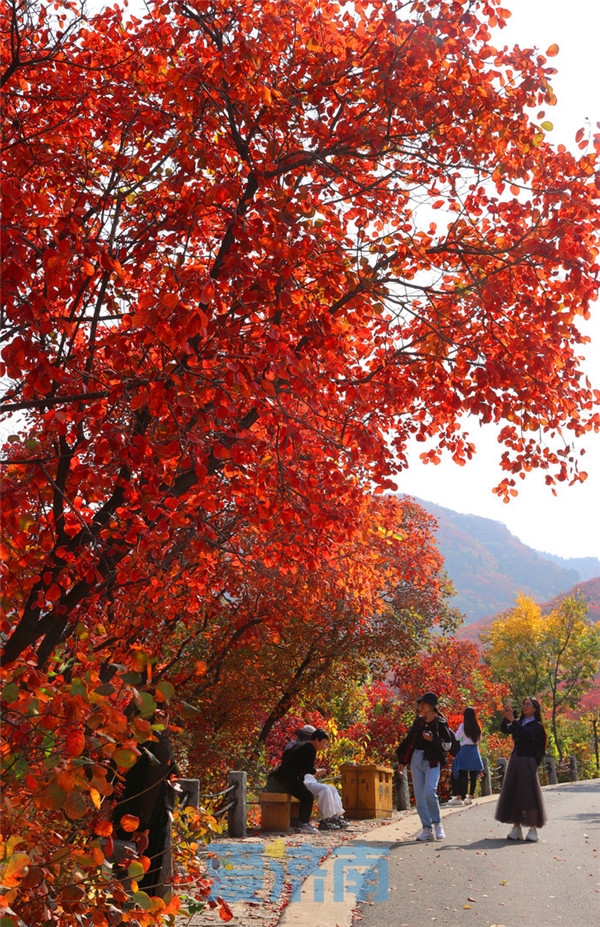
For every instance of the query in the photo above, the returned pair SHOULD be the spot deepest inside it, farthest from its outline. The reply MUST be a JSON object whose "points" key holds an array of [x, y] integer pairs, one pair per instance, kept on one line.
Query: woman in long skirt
{"points": [[521, 803]]}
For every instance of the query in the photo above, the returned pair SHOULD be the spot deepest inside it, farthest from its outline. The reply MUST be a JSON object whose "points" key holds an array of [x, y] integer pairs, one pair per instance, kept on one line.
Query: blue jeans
{"points": [[425, 780]]}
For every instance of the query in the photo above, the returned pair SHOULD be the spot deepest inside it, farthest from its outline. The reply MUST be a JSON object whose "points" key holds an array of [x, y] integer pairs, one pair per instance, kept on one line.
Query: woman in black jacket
{"points": [[424, 747], [520, 802]]}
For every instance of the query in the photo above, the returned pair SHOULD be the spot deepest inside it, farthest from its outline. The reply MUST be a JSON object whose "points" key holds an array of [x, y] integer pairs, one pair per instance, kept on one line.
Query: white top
{"points": [[460, 735]]}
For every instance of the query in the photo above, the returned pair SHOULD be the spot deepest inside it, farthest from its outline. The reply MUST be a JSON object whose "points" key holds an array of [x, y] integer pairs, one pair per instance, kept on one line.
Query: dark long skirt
{"points": [[520, 800]]}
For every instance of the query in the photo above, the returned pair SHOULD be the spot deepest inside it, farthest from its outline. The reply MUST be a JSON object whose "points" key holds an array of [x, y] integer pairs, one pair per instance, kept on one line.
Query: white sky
{"points": [[566, 525]]}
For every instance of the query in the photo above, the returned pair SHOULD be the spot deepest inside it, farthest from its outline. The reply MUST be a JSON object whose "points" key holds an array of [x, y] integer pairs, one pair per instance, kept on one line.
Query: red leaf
{"points": [[75, 743], [225, 912]]}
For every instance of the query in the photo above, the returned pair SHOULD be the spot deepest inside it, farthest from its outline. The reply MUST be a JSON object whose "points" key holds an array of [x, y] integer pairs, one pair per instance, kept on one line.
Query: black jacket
{"points": [[529, 739], [434, 750], [295, 764]]}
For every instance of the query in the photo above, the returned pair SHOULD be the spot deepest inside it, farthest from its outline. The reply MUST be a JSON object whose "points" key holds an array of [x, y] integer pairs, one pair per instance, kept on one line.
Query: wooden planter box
{"points": [[367, 790]]}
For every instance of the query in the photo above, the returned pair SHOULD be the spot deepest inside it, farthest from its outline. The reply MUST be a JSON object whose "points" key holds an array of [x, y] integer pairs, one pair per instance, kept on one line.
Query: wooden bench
{"points": [[278, 810]]}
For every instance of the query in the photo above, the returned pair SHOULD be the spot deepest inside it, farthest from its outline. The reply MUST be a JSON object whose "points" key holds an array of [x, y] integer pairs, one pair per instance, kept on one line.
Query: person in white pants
{"points": [[329, 803]]}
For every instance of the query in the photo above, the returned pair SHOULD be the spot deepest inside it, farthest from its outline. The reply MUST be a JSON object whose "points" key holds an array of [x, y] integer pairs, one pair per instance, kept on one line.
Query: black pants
{"points": [[461, 782], [299, 791]]}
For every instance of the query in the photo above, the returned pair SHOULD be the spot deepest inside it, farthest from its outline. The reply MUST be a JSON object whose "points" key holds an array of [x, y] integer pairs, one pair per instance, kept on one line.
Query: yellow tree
{"points": [[572, 657], [553, 656], [512, 648]]}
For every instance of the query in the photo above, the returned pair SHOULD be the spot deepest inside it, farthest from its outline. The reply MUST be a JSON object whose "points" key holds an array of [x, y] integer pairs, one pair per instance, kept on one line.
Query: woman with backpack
{"points": [[520, 802]]}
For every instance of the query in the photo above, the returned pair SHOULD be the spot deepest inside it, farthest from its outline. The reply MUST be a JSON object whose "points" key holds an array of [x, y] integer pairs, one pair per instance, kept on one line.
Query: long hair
{"points": [[538, 716], [471, 725]]}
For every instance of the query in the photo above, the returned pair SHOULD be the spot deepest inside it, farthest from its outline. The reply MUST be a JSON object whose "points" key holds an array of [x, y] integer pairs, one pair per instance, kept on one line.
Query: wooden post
{"points": [[573, 768], [236, 816], [486, 783], [402, 790], [550, 764], [190, 792]]}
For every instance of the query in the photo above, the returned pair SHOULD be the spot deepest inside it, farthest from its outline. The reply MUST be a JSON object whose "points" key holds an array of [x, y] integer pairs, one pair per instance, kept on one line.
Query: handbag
{"points": [[454, 745]]}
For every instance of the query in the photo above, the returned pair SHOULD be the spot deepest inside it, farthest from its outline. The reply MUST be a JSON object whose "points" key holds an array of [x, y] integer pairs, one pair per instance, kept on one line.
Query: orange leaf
{"points": [[103, 828], [66, 779], [14, 870], [75, 806], [129, 822], [225, 912], [553, 50], [75, 743]]}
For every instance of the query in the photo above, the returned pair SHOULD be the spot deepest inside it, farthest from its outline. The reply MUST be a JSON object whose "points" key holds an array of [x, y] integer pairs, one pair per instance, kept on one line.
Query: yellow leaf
{"points": [[12, 842], [124, 758], [14, 870], [96, 799], [135, 870], [142, 900], [276, 849]]}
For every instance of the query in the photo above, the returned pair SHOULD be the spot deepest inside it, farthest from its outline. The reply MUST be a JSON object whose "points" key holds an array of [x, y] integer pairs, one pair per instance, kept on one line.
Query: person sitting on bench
{"points": [[329, 803], [297, 762]]}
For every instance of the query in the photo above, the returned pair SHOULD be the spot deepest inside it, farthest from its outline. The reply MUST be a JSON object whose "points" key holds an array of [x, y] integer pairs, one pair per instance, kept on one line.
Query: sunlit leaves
{"points": [[129, 823], [125, 759], [550, 653]]}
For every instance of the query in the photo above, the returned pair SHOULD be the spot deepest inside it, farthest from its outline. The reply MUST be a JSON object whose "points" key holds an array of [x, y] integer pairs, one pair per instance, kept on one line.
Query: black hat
{"points": [[429, 698]]}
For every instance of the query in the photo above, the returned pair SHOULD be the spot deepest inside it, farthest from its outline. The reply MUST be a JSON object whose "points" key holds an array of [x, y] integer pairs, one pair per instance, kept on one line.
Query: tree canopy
{"points": [[232, 296]]}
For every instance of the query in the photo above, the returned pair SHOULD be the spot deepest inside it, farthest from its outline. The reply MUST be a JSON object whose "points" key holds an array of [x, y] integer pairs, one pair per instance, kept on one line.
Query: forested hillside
{"points": [[489, 566], [590, 590]]}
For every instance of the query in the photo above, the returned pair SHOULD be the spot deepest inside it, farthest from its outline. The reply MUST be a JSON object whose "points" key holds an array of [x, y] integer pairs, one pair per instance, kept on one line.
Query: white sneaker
{"points": [[307, 829], [426, 834], [469, 800], [440, 833], [516, 833], [532, 835], [457, 800]]}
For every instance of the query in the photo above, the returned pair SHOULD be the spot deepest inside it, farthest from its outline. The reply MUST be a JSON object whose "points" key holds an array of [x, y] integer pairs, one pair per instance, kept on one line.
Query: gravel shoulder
{"points": [[257, 875]]}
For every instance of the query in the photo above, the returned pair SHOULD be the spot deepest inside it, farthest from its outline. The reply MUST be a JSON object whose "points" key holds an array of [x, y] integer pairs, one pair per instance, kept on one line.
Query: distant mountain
{"points": [[587, 567], [590, 590], [489, 566]]}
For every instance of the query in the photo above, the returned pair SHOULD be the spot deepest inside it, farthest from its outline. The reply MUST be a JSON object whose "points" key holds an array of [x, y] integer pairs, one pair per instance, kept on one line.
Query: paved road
{"points": [[477, 877]]}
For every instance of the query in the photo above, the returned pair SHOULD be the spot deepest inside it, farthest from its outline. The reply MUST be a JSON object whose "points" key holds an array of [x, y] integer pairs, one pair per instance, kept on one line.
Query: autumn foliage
{"points": [[455, 670], [250, 253]]}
